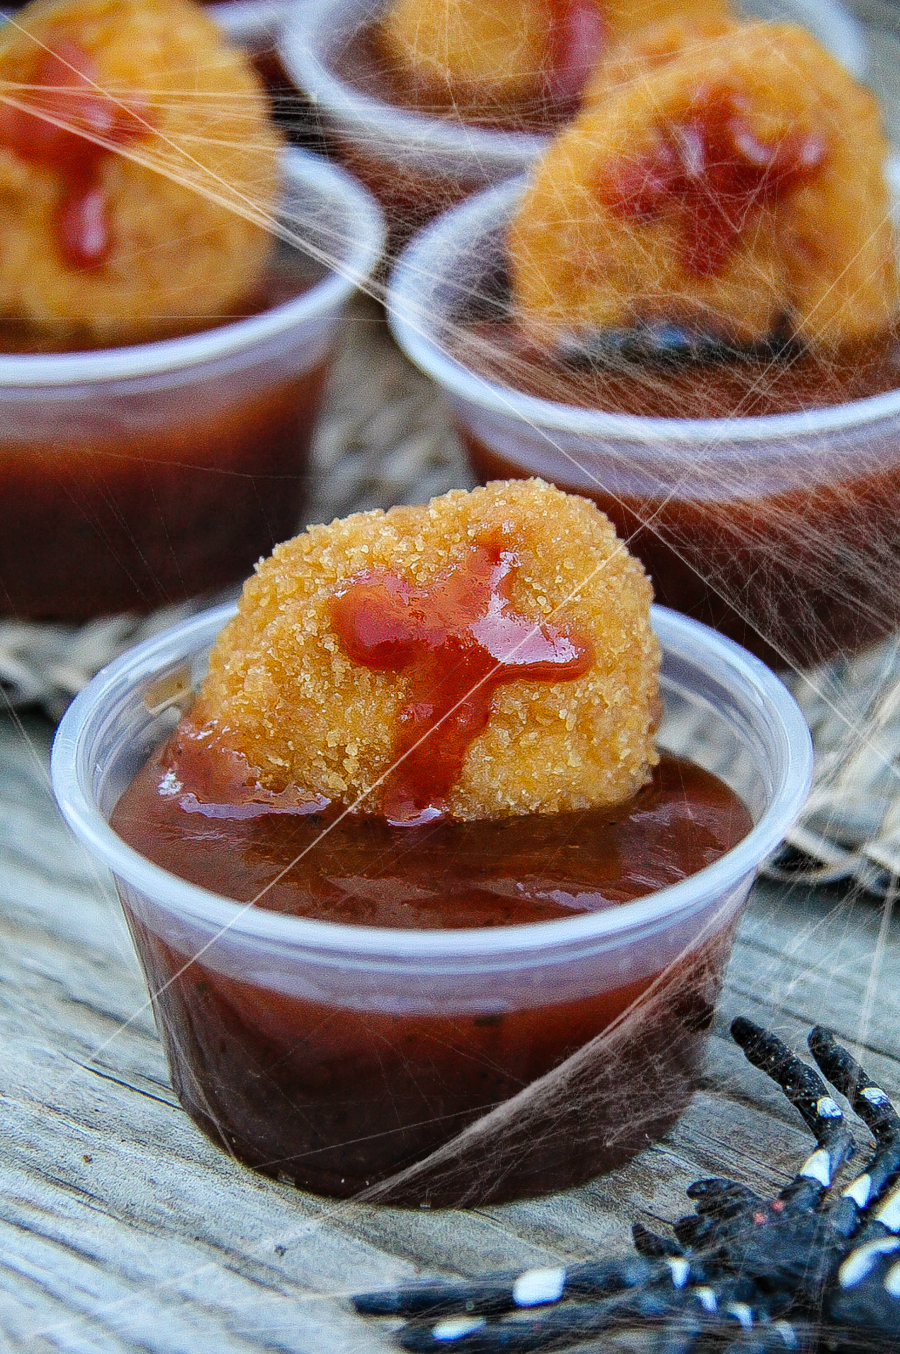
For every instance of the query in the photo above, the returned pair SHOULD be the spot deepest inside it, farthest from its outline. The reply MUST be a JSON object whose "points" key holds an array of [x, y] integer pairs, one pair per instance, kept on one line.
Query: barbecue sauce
{"points": [[338, 1095], [138, 499], [737, 562], [362, 871]]}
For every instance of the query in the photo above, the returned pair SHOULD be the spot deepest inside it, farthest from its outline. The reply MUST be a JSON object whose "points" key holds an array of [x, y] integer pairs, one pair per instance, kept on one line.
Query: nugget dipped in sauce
{"points": [[484, 57], [733, 185], [137, 169], [485, 655]]}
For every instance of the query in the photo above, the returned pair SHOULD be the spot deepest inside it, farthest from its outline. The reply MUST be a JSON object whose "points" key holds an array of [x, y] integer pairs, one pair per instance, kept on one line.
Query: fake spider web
{"points": [[857, 701]]}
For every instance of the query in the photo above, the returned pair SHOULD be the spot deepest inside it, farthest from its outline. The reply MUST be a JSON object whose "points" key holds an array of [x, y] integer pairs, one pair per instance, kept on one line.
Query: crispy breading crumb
{"points": [[282, 692]]}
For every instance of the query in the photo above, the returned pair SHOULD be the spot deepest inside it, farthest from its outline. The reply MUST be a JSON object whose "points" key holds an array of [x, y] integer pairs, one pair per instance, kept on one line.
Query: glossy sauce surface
{"points": [[364, 872], [715, 174], [576, 40]]}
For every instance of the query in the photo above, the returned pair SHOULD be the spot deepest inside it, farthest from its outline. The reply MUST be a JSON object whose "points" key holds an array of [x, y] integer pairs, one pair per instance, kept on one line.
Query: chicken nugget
{"points": [[737, 188], [499, 56], [138, 168], [485, 655]]}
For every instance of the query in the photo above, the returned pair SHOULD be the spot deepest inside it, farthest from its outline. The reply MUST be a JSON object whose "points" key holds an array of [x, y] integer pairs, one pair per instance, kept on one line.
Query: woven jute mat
{"points": [[385, 437]]}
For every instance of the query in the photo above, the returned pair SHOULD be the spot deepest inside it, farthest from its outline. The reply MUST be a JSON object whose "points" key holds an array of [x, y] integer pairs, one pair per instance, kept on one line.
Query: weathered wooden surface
{"points": [[122, 1228]]}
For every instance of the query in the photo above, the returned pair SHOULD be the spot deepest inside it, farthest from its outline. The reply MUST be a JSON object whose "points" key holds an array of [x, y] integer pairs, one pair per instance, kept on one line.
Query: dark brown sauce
{"points": [[364, 872], [735, 384], [133, 500], [796, 575], [338, 1096], [458, 640]]}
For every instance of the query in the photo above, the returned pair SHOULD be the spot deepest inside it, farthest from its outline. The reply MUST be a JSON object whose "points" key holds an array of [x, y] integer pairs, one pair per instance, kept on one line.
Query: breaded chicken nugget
{"points": [[735, 187], [137, 161], [311, 687], [498, 55], [630, 59]]}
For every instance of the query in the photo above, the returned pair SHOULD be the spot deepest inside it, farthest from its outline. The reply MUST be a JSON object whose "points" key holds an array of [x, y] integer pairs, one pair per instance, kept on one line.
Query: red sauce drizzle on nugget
{"points": [[459, 639], [68, 111], [576, 39], [716, 173]]}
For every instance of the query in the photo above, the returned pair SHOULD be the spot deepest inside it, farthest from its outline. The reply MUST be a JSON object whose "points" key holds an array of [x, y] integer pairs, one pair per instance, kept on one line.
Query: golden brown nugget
{"points": [[477, 57], [738, 185], [651, 46], [283, 693], [497, 55], [156, 215]]}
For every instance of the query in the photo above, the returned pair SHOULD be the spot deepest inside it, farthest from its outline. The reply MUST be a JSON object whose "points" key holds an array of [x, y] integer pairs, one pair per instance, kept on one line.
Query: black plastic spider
{"points": [[750, 1275]]}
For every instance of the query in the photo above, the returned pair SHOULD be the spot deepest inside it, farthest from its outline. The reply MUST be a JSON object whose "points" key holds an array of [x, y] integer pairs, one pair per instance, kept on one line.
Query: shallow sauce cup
{"points": [[779, 530], [416, 164], [140, 475], [439, 1067]]}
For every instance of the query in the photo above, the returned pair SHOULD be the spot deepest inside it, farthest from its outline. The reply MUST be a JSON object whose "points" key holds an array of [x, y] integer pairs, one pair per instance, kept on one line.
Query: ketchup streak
{"points": [[576, 40], [459, 639], [71, 126], [715, 172]]}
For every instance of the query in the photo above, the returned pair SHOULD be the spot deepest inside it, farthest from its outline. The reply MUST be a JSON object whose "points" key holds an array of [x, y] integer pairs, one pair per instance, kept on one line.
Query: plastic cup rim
{"points": [[300, 169], [757, 683], [411, 320], [303, 50], [305, 40], [249, 21]]}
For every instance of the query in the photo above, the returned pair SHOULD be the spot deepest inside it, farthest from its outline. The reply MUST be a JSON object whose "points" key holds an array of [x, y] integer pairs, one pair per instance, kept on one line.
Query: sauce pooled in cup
{"points": [[431, 719]]}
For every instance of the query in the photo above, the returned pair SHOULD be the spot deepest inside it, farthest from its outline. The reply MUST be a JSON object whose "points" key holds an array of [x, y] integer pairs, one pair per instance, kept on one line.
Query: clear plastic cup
{"points": [[417, 165], [447, 1066], [254, 24], [136, 476], [779, 530]]}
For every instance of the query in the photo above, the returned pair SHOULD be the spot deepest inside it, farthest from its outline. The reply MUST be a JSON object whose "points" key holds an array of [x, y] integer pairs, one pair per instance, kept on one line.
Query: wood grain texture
{"points": [[123, 1229]]}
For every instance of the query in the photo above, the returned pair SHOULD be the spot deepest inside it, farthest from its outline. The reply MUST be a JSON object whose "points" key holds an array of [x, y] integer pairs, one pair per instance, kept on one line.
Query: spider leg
{"points": [[807, 1092], [873, 1106], [653, 1246], [724, 1206], [511, 1291], [778, 1337], [866, 1295], [694, 1308]]}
